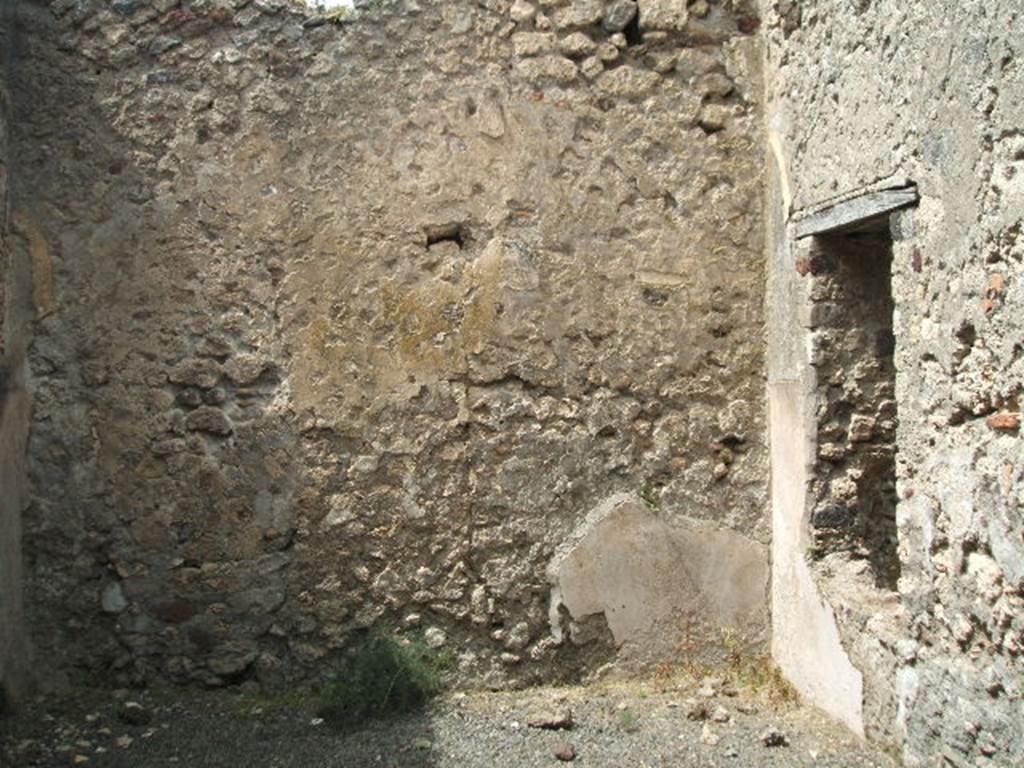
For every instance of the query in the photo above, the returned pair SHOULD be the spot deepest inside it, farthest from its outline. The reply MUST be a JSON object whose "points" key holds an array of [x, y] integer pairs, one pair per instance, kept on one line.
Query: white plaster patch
{"points": [[331, 5], [656, 581]]}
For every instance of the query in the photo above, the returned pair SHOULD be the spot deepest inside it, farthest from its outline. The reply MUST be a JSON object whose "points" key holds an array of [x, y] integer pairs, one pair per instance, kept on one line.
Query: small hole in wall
{"points": [[748, 25], [632, 31], [655, 297], [967, 336], [446, 233]]}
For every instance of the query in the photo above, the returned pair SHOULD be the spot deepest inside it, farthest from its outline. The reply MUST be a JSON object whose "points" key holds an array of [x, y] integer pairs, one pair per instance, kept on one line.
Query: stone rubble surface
{"points": [[477, 730]]}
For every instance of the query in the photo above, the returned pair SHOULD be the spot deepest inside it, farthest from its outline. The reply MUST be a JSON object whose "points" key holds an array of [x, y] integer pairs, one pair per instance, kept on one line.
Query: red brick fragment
{"points": [[1006, 420], [916, 260]]}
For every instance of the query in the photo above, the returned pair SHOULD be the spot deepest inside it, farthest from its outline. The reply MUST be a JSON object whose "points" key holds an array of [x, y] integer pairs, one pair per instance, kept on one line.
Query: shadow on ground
{"points": [[204, 730]]}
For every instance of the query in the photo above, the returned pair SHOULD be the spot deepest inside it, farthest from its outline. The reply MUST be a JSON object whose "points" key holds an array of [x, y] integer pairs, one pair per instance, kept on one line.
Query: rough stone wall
{"points": [[14, 404], [353, 325], [872, 93], [854, 484]]}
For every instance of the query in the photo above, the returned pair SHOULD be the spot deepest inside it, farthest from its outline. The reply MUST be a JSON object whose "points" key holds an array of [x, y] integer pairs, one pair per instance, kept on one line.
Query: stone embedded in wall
{"points": [[663, 14], [1009, 422], [619, 14], [113, 600], [522, 11], [580, 13], [208, 419]]}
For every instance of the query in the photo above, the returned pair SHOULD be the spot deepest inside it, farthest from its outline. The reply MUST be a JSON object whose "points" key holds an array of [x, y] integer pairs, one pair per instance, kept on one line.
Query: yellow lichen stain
{"points": [[1006, 479], [313, 364], [276, 465], [151, 467], [427, 339], [42, 265], [151, 534], [440, 325], [487, 275], [245, 542], [419, 332]]}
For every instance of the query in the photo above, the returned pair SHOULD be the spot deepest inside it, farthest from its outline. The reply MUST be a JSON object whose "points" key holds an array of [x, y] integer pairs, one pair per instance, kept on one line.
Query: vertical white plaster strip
{"points": [[331, 5], [775, 128], [805, 639]]}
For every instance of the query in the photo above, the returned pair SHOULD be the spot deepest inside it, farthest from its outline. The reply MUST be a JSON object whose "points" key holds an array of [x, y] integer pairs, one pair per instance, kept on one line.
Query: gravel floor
{"points": [[689, 723]]}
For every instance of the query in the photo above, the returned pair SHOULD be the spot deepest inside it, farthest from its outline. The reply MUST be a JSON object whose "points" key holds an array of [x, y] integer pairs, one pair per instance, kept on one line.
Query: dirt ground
{"points": [[682, 723]]}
